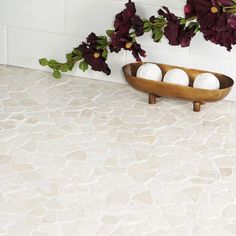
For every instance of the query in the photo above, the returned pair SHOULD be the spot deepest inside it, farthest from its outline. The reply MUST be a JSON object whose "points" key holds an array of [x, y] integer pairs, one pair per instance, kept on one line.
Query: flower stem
{"points": [[191, 18], [229, 9]]}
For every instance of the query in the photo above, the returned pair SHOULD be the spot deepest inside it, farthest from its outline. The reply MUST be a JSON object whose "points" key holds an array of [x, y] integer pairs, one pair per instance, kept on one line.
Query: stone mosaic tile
{"points": [[84, 157]]}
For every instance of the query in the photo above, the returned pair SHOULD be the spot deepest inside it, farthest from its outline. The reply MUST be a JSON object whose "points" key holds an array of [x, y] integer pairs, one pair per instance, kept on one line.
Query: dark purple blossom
{"points": [[215, 24], [93, 56], [189, 9], [176, 33], [186, 35], [119, 42], [128, 19], [92, 39]]}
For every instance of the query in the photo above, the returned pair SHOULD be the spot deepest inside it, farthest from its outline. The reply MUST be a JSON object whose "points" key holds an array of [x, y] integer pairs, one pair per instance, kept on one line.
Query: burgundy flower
{"points": [[186, 35], [225, 38], [138, 25], [119, 42], [189, 9], [92, 39], [93, 56], [137, 51], [216, 25], [130, 10], [173, 26], [121, 24], [208, 13], [127, 19], [176, 33]]}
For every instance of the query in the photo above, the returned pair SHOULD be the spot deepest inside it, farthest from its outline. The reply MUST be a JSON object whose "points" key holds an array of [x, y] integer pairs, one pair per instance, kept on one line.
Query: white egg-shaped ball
{"points": [[206, 81], [149, 71], [177, 76]]}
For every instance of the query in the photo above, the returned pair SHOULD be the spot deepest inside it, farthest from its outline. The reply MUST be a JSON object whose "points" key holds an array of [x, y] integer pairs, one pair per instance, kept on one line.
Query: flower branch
{"points": [[214, 18]]}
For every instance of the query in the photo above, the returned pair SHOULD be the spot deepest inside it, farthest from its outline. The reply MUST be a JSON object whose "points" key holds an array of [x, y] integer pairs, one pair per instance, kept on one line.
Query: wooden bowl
{"points": [[158, 89]]}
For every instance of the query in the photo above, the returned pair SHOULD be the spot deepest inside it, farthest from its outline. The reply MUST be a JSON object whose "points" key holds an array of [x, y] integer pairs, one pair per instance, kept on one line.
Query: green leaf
{"points": [[192, 24], [147, 29], [69, 56], [57, 74], [101, 41], [103, 37], [157, 34], [183, 21], [110, 32], [76, 55], [43, 61], [64, 68], [71, 66], [79, 57], [147, 26], [197, 28], [132, 35], [83, 66], [105, 53], [52, 63], [100, 47], [133, 40], [77, 52]]}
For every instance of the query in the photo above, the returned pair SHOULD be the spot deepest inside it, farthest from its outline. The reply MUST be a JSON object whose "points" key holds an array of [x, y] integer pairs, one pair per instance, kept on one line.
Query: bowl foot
{"points": [[197, 106], [152, 99]]}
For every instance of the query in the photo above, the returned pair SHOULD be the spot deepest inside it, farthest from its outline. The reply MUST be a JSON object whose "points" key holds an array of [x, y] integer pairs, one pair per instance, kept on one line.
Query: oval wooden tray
{"points": [[158, 89]]}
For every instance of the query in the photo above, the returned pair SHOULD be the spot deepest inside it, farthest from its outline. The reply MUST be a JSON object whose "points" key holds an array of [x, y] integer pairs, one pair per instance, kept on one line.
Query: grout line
{"points": [[79, 37]]}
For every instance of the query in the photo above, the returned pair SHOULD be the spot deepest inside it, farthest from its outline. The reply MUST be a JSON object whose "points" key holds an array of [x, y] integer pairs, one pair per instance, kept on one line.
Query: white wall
{"points": [[31, 29]]}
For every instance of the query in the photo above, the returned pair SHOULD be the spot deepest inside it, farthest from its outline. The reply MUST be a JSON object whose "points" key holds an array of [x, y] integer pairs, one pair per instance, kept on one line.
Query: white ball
{"points": [[177, 76], [206, 81], [149, 71]]}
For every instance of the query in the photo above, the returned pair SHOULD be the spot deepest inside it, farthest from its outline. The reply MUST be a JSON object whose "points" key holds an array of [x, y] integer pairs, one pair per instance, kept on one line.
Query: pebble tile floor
{"points": [[80, 157]]}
